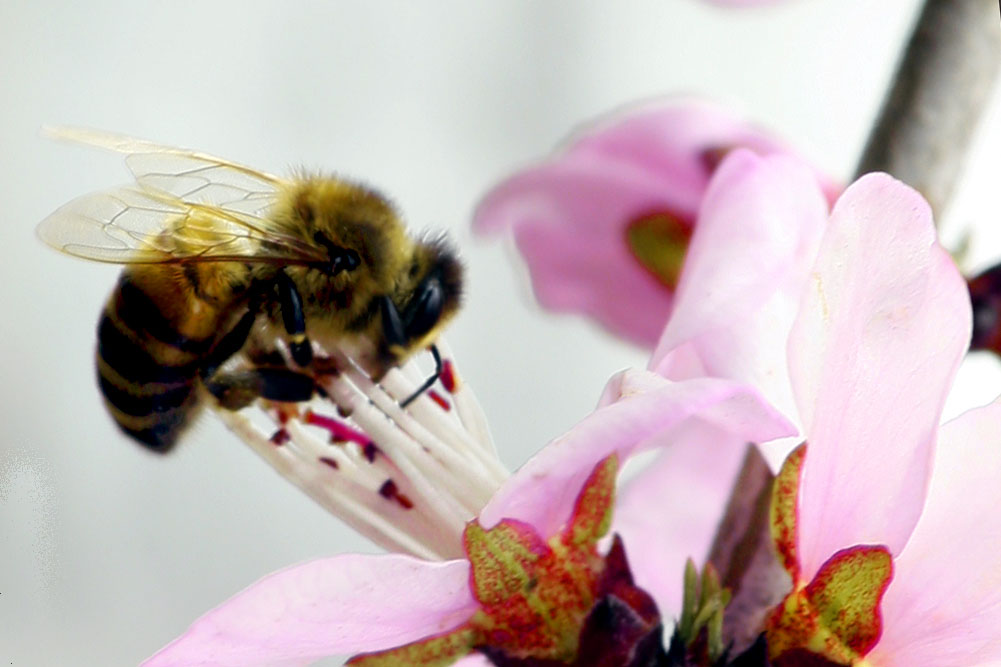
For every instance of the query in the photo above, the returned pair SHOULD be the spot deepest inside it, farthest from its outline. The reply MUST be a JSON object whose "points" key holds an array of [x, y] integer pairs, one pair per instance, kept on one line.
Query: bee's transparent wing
{"points": [[131, 225], [186, 206], [188, 175]]}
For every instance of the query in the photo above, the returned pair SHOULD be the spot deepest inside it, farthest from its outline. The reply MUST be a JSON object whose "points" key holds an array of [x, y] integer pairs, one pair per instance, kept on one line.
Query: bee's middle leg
{"points": [[237, 389]]}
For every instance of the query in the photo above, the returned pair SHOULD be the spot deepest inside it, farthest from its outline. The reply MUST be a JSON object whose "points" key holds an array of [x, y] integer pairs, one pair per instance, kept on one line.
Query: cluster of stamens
{"points": [[408, 478]]}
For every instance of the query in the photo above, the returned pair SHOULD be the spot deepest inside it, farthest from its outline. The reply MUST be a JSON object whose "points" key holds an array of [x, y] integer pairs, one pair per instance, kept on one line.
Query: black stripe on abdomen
{"points": [[132, 361], [154, 399], [150, 401]]}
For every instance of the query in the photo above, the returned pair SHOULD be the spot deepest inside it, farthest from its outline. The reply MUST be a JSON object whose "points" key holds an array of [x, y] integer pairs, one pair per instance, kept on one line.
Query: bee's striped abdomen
{"points": [[147, 370]]}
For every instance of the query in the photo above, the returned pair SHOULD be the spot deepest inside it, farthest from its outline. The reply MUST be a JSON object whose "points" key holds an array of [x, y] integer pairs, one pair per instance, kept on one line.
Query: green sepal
{"points": [[700, 628], [535, 596], [592, 513], [502, 559], [784, 511], [689, 597], [847, 591], [435, 651], [837, 614]]}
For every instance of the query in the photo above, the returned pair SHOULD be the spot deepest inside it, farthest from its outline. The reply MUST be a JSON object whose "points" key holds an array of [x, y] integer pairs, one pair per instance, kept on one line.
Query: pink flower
{"points": [[883, 326], [854, 329], [605, 224], [352, 603], [858, 341]]}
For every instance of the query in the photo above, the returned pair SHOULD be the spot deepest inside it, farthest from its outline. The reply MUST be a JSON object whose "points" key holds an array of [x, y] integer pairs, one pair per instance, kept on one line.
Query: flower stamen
{"points": [[407, 478]]}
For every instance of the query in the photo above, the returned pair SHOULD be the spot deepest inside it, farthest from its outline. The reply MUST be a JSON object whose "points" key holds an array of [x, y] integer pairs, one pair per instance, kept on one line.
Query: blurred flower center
{"points": [[659, 242]]}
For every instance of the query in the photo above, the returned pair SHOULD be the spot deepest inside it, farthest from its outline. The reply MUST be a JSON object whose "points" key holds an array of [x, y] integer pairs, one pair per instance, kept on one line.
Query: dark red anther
{"points": [[447, 376], [279, 437], [339, 432], [985, 297], [370, 450], [389, 491], [329, 461], [439, 399]]}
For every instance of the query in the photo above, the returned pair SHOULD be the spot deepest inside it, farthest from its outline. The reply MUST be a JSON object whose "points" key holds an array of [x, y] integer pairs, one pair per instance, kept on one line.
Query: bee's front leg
{"points": [[294, 320]]}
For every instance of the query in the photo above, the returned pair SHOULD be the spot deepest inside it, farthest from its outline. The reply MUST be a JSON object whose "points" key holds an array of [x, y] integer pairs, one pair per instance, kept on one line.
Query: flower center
{"points": [[659, 241], [407, 478]]}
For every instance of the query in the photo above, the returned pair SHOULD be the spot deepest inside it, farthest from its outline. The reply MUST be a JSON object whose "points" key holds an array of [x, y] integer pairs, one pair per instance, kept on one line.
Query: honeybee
{"points": [[221, 260]]}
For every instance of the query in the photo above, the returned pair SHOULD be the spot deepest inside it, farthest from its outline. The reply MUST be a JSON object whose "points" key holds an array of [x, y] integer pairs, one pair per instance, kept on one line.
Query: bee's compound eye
{"points": [[425, 311]]}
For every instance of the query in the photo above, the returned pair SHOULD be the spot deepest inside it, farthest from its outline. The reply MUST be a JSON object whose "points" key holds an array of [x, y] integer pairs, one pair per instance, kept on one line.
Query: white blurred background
{"points": [[107, 552]]}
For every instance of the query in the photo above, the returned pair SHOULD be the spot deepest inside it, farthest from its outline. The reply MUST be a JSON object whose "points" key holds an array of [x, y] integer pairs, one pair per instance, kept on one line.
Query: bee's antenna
{"points": [[430, 381]]}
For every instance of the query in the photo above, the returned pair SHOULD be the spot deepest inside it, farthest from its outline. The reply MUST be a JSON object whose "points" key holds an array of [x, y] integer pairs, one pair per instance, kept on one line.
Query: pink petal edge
{"points": [[542, 492], [334, 606]]}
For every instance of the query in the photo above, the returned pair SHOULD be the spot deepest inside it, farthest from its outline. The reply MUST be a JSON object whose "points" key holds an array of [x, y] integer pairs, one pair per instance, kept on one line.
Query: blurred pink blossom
{"points": [[604, 224]]}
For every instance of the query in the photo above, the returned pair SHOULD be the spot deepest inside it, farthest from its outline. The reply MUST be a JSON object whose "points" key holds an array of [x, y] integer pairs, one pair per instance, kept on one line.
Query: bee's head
{"points": [[426, 299]]}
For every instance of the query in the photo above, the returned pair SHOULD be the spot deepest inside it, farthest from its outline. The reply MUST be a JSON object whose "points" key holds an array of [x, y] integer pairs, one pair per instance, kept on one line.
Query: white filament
{"points": [[442, 463]]}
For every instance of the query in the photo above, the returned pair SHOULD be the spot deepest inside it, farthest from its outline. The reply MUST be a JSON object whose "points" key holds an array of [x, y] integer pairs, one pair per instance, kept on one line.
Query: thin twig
{"points": [[743, 555], [943, 81]]}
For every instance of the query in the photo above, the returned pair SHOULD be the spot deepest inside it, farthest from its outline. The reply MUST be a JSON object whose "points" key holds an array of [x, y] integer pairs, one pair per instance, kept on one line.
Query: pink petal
{"points": [[650, 413], [944, 605], [334, 606], [882, 329], [682, 363], [670, 511], [569, 220], [756, 239]]}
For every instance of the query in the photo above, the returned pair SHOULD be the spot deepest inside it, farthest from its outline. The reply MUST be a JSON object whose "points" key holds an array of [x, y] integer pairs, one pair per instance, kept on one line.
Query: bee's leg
{"points": [[238, 389], [294, 320], [229, 344], [430, 381]]}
